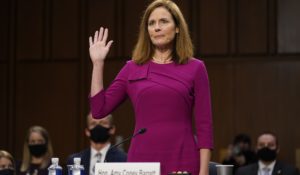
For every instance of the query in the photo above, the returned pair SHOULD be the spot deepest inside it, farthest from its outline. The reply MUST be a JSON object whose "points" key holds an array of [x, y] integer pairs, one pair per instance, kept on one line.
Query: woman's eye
{"points": [[150, 23]]}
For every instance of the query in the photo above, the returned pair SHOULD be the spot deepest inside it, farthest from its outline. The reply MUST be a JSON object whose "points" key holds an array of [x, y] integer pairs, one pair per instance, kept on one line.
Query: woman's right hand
{"points": [[98, 46]]}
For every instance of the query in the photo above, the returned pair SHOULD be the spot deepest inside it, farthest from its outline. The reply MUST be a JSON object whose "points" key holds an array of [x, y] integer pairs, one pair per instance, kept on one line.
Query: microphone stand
{"points": [[141, 131]]}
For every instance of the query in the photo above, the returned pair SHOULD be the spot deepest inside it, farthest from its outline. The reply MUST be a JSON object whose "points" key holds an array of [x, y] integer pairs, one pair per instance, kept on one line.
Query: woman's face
{"points": [[36, 138], [161, 27], [37, 144], [5, 163]]}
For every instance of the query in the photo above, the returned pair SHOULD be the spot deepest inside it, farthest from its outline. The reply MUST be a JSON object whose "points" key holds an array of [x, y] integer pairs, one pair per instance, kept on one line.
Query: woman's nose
{"points": [[157, 27]]}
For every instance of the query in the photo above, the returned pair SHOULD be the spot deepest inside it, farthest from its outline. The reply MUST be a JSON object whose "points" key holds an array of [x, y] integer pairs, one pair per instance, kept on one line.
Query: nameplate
{"points": [[127, 168]]}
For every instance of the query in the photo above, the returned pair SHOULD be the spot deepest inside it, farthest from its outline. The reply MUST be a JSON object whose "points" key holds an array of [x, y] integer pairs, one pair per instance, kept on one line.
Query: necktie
{"points": [[98, 157], [98, 160]]}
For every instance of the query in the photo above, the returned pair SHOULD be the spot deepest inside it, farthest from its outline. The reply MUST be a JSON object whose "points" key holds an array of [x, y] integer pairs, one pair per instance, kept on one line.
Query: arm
{"points": [[205, 155], [103, 102], [97, 78], [203, 117]]}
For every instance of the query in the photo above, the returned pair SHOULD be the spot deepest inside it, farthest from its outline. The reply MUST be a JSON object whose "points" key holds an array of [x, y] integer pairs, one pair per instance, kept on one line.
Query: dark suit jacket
{"points": [[113, 155], [279, 169]]}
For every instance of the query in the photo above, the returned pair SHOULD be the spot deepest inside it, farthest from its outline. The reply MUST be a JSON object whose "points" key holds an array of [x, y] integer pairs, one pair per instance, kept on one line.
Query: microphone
{"points": [[140, 131]]}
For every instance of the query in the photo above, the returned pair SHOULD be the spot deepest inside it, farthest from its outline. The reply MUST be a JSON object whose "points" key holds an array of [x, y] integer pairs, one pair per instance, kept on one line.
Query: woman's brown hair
{"points": [[183, 47]]}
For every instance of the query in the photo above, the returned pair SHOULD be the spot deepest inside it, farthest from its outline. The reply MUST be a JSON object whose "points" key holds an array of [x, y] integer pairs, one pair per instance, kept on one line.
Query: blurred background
{"points": [[251, 49]]}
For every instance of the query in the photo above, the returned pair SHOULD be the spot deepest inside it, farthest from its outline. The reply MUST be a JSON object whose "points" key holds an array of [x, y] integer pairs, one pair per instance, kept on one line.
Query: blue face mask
{"points": [[7, 172]]}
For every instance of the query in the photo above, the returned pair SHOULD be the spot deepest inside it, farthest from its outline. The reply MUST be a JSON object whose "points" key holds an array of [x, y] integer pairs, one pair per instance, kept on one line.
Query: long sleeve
{"points": [[203, 115], [106, 100]]}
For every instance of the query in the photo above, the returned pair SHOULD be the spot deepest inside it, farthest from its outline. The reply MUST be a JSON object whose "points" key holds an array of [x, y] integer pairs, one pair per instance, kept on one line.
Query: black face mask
{"points": [[267, 154], [37, 150], [7, 172], [99, 134]]}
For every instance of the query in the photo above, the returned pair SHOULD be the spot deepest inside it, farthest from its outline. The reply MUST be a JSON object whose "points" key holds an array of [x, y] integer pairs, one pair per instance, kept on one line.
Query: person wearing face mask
{"points": [[37, 152], [267, 149], [99, 133], [7, 165]]}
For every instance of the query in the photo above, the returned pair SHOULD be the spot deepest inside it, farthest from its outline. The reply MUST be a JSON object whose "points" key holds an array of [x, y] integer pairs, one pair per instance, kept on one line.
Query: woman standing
{"points": [[165, 85]]}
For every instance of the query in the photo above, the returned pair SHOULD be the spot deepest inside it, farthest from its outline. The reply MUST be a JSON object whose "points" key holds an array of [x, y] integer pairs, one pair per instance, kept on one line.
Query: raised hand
{"points": [[98, 46]]}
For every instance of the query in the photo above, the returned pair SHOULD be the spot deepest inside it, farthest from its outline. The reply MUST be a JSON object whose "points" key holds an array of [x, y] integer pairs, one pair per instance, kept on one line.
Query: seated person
{"points": [[240, 152], [267, 148], [99, 132], [7, 165], [37, 152]]}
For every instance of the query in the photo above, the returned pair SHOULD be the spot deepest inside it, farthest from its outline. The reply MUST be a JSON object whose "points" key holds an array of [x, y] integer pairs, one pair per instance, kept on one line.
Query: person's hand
{"points": [[98, 46]]}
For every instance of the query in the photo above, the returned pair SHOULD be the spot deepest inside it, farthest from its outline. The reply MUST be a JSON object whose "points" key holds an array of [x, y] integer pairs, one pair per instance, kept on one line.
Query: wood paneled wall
{"points": [[45, 68]]}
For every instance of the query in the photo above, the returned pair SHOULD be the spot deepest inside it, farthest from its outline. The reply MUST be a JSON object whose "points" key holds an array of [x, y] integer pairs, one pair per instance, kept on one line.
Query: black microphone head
{"points": [[142, 131]]}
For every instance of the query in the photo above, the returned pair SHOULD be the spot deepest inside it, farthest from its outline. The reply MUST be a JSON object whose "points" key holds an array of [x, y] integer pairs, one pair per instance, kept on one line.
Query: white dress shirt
{"points": [[93, 159], [262, 166]]}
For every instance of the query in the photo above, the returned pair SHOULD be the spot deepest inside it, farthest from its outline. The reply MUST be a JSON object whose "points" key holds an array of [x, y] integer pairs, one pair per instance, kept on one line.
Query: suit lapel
{"points": [[277, 169], [86, 157], [109, 155], [254, 170]]}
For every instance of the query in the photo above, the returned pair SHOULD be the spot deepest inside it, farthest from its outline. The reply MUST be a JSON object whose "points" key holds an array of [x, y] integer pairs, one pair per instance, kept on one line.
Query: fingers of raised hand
{"points": [[105, 35], [96, 37], [99, 36], [109, 43], [91, 41]]}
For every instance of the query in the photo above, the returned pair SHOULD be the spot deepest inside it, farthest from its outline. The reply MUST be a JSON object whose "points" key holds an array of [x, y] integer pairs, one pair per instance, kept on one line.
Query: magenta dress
{"points": [[164, 97]]}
